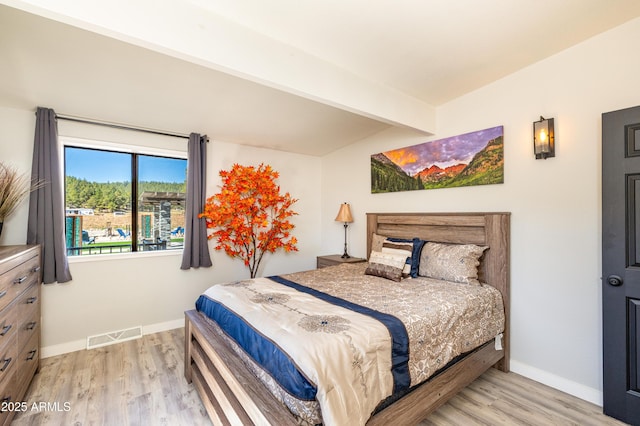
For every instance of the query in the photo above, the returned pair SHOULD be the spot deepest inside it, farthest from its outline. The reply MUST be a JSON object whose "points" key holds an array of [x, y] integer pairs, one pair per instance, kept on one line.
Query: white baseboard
{"points": [[77, 345], [565, 385], [63, 348], [162, 326]]}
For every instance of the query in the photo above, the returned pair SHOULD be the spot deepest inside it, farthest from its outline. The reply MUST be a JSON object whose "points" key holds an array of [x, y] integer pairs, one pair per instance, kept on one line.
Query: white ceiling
{"points": [[294, 75], [435, 50]]}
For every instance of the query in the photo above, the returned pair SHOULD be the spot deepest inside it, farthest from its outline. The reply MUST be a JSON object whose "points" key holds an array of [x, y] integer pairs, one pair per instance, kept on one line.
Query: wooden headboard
{"points": [[487, 229]]}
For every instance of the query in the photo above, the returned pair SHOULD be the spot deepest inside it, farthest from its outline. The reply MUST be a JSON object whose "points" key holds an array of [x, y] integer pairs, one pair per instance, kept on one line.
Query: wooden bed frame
{"points": [[233, 395]]}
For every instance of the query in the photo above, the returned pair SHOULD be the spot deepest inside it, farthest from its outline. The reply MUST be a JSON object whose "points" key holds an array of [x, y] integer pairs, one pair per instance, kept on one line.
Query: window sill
{"points": [[123, 256]]}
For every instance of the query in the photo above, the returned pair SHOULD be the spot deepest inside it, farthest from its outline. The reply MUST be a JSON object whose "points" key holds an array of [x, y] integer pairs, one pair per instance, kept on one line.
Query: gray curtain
{"points": [[46, 204], [196, 248]]}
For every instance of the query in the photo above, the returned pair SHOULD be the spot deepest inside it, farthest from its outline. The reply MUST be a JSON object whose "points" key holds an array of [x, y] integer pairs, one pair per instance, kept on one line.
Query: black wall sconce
{"points": [[543, 138]]}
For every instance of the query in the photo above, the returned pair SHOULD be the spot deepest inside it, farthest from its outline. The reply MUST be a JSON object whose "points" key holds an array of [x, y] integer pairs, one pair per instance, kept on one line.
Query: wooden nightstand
{"points": [[336, 259]]}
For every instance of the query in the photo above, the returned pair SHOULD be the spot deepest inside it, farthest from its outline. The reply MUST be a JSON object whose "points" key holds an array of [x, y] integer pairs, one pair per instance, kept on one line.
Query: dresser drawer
{"points": [[7, 394], [17, 279], [28, 309], [8, 326], [12, 256], [8, 358], [28, 362]]}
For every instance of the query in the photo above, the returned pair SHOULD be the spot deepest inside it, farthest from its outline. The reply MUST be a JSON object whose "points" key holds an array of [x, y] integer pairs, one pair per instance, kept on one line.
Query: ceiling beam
{"points": [[180, 29]]}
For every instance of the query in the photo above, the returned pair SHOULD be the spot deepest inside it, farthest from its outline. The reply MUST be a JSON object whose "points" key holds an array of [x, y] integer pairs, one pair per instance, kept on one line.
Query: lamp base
{"points": [[345, 255]]}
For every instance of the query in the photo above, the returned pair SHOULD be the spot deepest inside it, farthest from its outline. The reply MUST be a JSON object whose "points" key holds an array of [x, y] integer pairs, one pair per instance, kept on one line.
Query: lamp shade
{"points": [[344, 215]]}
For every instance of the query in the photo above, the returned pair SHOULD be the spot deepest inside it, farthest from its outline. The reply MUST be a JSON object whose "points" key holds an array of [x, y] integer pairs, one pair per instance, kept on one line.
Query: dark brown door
{"points": [[621, 263]]}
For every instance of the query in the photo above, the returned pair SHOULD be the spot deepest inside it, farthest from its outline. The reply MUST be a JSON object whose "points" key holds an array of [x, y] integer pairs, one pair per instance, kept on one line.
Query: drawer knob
{"points": [[31, 300], [3, 293], [20, 280], [5, 329], [6, 361], [30, 326], [35, 269], [32, 354]]}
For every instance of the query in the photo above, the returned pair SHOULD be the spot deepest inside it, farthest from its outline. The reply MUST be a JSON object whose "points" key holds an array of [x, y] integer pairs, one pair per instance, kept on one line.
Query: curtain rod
{"points": [[121, 126]]}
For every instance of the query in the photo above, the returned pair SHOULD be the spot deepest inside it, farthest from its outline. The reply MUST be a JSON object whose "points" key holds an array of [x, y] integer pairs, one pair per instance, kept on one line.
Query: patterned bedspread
{"points": [[347, 356]]}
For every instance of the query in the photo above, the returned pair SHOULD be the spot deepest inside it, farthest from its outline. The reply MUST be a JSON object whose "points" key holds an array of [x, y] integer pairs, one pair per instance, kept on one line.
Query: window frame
{"points": [[68, 141]]}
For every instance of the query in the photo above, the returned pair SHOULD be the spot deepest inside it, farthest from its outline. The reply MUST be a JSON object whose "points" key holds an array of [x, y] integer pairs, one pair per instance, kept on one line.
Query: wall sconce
{"points": [[344, 215], [543, 138]]}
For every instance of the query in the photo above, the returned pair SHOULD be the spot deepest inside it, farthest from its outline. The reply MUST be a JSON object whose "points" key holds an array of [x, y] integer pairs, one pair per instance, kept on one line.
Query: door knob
{"points": [[614, 280]]}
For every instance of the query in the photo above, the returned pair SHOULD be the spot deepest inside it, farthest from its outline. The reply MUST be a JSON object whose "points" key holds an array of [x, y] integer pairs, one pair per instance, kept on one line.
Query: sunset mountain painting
{"points": [[470, 159]]}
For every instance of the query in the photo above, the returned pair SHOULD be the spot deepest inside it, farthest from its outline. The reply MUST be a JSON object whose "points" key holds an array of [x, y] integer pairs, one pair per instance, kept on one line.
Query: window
{"points": [[120, 202]]}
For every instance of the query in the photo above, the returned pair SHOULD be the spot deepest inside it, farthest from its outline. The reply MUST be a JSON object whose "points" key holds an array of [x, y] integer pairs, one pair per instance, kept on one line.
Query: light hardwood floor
{"points": [[141, 382]]}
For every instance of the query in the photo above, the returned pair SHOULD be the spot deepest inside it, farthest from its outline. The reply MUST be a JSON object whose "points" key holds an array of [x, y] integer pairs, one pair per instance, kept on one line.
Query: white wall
{"points": [[16, 151], [555, 203], [112, 294]]}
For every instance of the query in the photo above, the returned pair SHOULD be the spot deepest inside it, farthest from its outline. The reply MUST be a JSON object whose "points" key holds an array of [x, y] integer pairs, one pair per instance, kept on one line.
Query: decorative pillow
{"points": [[414, 259], [451, 262], [415, 256], [386, 265], [401, 247], [376, 243]]}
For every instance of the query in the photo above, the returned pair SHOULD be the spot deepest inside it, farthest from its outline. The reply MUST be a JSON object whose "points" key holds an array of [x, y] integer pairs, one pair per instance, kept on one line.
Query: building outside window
{"points": [[121, 202]]}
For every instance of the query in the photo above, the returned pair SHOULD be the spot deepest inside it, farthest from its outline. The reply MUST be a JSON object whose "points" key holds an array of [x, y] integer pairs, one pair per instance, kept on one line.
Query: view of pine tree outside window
{"points": [[105, 190]]}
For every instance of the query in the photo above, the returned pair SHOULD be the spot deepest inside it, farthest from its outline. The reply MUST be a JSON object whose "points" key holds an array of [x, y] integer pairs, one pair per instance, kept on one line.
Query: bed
{"points": [[233, 394]]}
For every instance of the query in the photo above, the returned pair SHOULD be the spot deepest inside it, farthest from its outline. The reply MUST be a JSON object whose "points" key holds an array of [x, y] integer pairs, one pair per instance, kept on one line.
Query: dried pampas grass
{"points": [[14, 187]]}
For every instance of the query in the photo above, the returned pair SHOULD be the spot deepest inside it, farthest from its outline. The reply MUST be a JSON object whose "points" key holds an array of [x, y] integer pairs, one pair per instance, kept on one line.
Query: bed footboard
{"points": [[229, 392], [232, 395]]}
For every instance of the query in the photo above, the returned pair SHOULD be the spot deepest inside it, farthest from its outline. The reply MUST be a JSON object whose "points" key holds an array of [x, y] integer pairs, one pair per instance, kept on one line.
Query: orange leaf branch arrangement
{"points": [[249, 215]]}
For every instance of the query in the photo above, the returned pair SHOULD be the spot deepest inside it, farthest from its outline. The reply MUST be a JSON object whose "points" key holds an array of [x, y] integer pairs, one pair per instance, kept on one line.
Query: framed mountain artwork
{"points": [[470, 159]]}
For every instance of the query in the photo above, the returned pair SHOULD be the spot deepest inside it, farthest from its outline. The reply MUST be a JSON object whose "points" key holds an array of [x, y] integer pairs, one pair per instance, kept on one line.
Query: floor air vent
{"points": [[114, 337]]}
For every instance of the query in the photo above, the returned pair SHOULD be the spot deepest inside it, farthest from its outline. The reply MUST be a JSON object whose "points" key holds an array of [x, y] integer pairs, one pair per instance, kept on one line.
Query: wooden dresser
{"points": [[19, 324]]}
